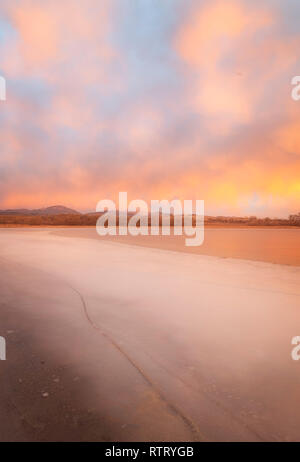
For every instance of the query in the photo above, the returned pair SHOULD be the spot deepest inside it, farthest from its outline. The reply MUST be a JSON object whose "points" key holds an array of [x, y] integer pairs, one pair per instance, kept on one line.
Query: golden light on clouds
{"points": [[104, 98]]}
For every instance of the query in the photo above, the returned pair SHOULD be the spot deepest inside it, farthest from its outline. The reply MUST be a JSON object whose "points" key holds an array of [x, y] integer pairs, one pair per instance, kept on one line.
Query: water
{"points": [[277, 245], [274, 245]]}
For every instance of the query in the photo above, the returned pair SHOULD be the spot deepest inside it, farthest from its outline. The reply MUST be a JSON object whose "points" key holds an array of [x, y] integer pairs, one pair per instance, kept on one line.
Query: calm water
{"points": [[275, 245], [270, 245]]}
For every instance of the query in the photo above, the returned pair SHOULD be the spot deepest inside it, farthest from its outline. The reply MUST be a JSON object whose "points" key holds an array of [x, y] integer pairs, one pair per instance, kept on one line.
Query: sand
{"points": [[116, 342]]}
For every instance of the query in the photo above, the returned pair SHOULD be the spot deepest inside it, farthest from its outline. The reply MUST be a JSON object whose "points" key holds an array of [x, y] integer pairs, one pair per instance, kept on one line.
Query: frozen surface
{"points": [[109, 341]]}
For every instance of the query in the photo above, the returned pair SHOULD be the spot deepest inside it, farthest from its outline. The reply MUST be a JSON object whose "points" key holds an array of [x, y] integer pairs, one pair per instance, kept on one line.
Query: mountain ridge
{"points": [[52, 210]]}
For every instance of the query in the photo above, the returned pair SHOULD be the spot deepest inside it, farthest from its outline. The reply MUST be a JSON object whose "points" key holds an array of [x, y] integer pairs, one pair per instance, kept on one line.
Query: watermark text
{"points": [[135, 219], [2, 89], [296, 88], [2, 349]]}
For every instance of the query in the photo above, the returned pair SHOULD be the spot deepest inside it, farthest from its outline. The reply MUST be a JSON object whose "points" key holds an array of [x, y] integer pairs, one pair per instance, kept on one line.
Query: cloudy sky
{"points": [[164, 99]]}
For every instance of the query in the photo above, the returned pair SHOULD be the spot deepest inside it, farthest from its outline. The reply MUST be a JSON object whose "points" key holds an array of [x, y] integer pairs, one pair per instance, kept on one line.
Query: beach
{"points": [[124, 341]]}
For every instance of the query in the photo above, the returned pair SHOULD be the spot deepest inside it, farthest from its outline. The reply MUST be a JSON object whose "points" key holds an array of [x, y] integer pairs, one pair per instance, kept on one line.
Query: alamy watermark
{"points": [[2, 349], [296, 90], [296, 350], [2, 88], [135, 219]]}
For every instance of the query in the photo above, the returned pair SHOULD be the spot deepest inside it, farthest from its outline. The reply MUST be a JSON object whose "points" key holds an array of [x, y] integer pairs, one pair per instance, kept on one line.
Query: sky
{"points": [[164, 99]]}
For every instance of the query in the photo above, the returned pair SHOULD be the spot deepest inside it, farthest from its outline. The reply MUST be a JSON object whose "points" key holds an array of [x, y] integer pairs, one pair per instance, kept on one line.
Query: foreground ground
{"points": [[109, 341]]}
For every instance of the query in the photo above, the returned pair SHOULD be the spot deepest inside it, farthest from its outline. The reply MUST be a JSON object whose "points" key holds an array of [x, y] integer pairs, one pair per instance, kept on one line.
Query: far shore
{"points": [[208, 225]]}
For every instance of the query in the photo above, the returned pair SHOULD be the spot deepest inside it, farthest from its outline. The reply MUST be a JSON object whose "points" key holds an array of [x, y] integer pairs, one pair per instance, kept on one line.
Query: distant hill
{"points": [[58, 215], [54, 210]]}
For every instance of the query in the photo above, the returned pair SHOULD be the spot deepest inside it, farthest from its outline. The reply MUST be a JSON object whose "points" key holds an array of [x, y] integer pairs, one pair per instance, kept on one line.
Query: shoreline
{"points": [[272, 245], [216, 225], [237, 243]]}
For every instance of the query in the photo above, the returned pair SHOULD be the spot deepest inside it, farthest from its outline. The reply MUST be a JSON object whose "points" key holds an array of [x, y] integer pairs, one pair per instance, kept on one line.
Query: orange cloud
{"points": [[53, 31], [211, 27], [210, 43], [217, 124]]}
